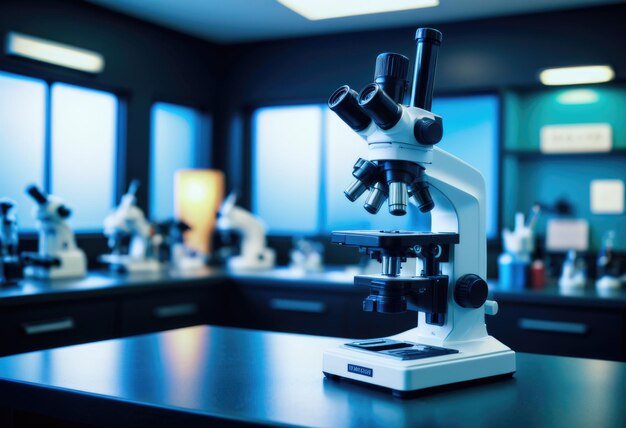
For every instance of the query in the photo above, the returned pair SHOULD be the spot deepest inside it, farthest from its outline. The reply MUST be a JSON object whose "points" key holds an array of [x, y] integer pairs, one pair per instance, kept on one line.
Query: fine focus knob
{"points": [[428, 131], [470, 291]]}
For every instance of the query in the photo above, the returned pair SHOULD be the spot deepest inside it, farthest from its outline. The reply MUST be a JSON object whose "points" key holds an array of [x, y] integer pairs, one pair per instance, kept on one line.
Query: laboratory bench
{"points": [[38, 315], [224, 376]]}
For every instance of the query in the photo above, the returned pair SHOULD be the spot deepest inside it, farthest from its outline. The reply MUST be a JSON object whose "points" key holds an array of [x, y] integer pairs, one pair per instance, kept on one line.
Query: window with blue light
{"points": [[179, 140], [83, 155], [286, 161], [22, 137], [302, 160], [63, 138], [471, 132]]}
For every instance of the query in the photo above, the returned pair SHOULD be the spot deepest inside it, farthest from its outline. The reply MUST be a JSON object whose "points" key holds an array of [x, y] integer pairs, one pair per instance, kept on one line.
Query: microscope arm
{"points": [[462, 209], [459, 207]]}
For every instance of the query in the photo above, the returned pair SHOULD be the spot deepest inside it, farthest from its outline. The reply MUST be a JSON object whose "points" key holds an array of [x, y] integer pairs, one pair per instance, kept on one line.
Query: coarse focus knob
{"points": [[470, 291], [428, 131]]}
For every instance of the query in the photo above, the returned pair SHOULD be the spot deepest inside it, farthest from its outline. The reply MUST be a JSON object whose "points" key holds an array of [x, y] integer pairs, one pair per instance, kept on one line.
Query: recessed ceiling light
{"points": [[325, 9], [576, 75], [53, 53]]}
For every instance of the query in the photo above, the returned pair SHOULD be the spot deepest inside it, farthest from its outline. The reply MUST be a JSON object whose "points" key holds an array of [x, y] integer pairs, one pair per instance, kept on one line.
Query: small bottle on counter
{"points": [[514, 263], [574, 272], [537, 275]]}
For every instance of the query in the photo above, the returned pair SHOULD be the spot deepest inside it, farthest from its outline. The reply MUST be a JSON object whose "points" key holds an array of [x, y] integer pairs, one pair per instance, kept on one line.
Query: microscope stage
{"points": [[392, 238]]}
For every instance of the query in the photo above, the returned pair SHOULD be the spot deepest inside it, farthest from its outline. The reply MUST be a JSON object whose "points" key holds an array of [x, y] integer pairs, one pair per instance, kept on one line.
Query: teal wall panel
{"points": [[529, 178], [546, 180], [531, 111]]}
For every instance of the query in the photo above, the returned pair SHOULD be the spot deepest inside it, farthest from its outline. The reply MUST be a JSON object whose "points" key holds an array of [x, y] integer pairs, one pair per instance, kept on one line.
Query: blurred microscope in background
{"points": [[254, 253], [58, 255], [129, 237], [10, 264], [172, 250]]}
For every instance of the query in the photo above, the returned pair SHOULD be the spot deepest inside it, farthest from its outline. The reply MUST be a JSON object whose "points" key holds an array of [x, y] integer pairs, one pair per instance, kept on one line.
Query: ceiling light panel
{"points": [[315, 10], [53, 53], [576, 75]]}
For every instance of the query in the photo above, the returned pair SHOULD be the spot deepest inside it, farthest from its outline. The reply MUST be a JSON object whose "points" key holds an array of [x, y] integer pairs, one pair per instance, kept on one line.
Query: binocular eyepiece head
{"points": [[388, 176], [345, 104]]}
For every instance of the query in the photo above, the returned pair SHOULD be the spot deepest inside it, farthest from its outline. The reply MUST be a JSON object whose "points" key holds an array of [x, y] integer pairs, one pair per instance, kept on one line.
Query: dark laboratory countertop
{"points": [[202, 375], [334, 280]]}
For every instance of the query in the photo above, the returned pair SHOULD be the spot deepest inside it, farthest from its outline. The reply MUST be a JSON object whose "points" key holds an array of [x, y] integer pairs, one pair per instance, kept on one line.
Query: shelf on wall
{"points": [[533, 154]]}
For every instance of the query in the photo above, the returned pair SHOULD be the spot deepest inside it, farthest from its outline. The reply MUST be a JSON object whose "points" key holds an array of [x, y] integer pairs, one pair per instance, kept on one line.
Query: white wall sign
{"points": [[567, 234], [607, 196], [578, 138]]}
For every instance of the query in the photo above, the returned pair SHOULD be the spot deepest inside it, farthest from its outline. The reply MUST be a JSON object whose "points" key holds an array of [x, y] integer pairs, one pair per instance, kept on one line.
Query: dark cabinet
{"points": [[527, 322], [167, 310], [548, 329], [290, 309], [42, 326]]}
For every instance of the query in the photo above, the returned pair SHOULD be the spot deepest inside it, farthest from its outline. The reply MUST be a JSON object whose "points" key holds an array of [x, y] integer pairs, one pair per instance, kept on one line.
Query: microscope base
{"points": [[263, 260], [127, 264], [477, 359], [71, 264]]}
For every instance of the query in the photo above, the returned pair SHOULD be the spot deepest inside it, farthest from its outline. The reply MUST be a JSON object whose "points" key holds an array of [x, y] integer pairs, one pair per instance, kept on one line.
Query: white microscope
{"points": [[255, 254], [58, 255], [450, 343], [128, 223]]}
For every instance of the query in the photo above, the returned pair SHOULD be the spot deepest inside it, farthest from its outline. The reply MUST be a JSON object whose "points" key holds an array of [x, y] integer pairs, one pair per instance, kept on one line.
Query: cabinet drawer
{"points": [[168, 310], [291, 311], [48, 326], [551, 330]]}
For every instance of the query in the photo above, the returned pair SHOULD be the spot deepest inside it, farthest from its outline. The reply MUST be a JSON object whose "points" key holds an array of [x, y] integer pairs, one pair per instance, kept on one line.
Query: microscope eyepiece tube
{"points": [[391, 74], [37, 194], [428, 41], [345, 104], [384, 111], [133, 186], [398, 198], [5, 206]]}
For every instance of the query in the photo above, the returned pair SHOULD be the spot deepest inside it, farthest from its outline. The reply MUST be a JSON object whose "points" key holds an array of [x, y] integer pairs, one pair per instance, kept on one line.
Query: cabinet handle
{"points": [[552, 326], [41, 327], [311, 306], [178, 310]]}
